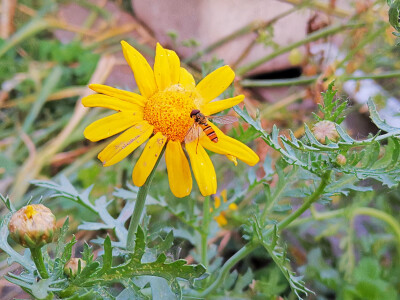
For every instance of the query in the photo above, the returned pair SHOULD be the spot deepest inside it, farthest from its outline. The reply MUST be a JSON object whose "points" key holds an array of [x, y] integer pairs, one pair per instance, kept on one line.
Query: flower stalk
{"points": [[331, 30], [38, 260], [230, 263], [306, 205], [204, 231], [139, 206]]}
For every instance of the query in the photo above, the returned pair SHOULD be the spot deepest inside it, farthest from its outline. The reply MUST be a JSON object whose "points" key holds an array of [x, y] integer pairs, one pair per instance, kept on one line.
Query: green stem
{"points": [[230, 263], [278, 192], [252, 27], [327, 31], [48, 87], [388, 219], [139, 206], [31, 28], [204, 231], [361, 45], [38, 260], [302, 80], [306, 205]]}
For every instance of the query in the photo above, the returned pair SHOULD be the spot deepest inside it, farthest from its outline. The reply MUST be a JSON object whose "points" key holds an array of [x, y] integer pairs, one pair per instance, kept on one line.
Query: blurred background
{"points": [[284, 53]]}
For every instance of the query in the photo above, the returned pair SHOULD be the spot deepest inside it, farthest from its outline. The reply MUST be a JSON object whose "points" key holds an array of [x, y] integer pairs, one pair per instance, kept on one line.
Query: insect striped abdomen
{"points": [[209, 132]]}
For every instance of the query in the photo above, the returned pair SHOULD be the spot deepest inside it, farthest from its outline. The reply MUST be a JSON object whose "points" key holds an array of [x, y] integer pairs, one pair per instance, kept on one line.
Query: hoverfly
{"points": [[200, 124]]}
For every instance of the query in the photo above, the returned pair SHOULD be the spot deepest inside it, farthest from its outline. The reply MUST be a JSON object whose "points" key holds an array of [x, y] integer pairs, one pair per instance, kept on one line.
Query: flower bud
{"points": [[295, 57], [341, 160], [32, 226], [71, 267], [325, 129]]}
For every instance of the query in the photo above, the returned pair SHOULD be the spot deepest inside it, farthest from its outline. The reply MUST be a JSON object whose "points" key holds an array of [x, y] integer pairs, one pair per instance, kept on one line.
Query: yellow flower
{"points": [[161, 112], [221, 218]]}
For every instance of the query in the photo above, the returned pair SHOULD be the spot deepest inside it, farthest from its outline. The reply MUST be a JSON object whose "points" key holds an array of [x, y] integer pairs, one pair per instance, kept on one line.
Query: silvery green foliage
{"points": [[305, 164], [307, 159], [91, 281], [308, 153]]}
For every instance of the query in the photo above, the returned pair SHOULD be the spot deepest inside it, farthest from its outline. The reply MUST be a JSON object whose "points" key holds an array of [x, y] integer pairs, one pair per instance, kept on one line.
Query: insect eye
{"points": [[194, 112]]}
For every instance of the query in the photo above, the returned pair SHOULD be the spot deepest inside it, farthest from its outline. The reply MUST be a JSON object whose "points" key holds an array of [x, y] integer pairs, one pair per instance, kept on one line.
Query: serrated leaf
{"points": [[87, 254], [61, 238], [107, 256], [13, 255], [381, 124], [243, 281], [166, 244], [7, 203], [140, 243], [278, 255], [67, 252]]}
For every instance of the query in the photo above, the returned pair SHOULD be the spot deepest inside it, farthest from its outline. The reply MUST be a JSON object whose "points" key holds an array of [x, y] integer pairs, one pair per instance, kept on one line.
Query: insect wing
{"points": [[223, 119], [193, 133]]}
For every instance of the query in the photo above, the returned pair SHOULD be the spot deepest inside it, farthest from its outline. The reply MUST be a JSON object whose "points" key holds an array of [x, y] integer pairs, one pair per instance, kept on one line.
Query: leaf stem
{"points": [[229, 264], [278, 192], [251, 27], [327, 31], [304, 80], [139, 206], [38, 260], [204, 231], [388, 219], [306, 205]]}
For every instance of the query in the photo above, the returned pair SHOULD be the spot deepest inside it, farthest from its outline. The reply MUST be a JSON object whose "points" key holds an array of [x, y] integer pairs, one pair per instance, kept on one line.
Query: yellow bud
{"points": [[32, 226], [295, 57], [341, 160], [71, 267]]}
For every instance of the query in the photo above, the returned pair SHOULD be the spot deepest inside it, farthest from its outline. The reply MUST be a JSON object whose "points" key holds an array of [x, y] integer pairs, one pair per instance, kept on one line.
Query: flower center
{"points": [[169, 112], [30, 211]]}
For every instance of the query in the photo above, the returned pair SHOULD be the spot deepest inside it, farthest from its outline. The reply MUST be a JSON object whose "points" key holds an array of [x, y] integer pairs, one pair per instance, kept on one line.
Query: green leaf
{"points": [[243, 281], [13, 255], [7, 203], [87, 254], [94, 274], [278, 255], [394, 14], [381, 124], [107, 256], [61, 238]]}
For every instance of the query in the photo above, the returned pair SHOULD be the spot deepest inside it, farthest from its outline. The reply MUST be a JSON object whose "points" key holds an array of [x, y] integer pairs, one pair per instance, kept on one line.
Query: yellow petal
{"points": [[220, 105], [174, 66], [232, 159], [186, 79], [179, 176], [108, 126], [221, 220], [215, 83], [148, 159], [203, 168], [142, 71], [229, 146], [217, 201], [224, 195], [120, 94], [127, 142], [161, 68], [98, 100]]}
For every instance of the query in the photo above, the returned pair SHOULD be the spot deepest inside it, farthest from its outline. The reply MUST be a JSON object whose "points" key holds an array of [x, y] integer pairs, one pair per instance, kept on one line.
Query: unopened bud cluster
{"points": [[32, 226]]}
